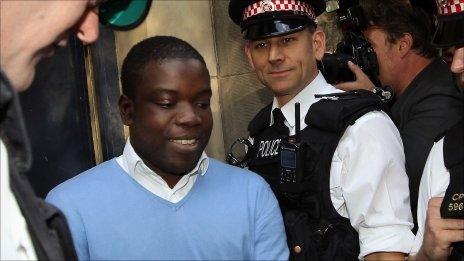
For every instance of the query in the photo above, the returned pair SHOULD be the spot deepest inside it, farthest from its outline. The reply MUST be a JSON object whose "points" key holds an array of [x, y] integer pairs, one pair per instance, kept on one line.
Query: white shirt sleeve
{"points": [[369, 185], [434, 182]]}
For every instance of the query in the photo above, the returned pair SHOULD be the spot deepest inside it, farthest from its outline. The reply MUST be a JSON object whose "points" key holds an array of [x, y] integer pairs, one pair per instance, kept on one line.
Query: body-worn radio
{"points": [[292, 153]]}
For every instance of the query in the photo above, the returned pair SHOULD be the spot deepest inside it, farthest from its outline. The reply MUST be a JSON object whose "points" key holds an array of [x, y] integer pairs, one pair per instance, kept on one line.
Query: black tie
{"points": [[279, 122]]}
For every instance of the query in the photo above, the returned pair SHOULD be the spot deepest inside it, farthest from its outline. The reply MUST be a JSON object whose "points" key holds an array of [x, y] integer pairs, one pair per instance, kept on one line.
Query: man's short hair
{"points": [[311, 28], [398, 17], [154, 49]]}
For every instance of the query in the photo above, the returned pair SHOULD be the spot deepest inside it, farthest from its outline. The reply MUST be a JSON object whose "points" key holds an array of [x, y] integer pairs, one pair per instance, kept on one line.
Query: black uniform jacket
{"points": [[429, 106]]}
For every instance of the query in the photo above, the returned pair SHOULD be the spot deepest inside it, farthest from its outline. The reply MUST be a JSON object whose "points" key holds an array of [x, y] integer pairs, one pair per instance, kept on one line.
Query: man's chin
{"points": [[182, 170], [21, 80], [281, 88], [183, 165]]}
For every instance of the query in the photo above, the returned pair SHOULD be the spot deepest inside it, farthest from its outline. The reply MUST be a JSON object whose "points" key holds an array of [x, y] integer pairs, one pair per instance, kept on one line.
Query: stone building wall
{"points": [[237, 93]]}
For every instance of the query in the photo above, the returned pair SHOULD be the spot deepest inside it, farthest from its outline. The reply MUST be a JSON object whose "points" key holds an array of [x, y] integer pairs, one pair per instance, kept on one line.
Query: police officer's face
{"points": [[457, 66], [287, 64], [170, 118]]}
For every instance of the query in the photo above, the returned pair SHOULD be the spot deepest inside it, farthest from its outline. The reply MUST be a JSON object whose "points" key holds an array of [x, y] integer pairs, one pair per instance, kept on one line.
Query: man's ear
{"points": [[318, 39], [126, 109], [404, 44], [247, 48]]}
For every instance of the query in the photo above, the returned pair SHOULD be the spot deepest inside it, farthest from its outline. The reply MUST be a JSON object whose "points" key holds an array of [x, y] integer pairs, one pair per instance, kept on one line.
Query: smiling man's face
{"points": [[32, 30], [287, 64], [170, 117]]}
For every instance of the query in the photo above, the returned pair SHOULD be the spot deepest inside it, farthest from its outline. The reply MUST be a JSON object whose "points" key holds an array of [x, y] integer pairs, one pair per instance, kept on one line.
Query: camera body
{"points": [[353, 47], [292, 152], [291, 161]]}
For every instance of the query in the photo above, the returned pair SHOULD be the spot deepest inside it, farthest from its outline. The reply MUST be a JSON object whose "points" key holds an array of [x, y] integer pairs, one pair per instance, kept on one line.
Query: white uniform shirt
{"points": [[434, 182], [15, 240], [132, 164], [368, 181]]}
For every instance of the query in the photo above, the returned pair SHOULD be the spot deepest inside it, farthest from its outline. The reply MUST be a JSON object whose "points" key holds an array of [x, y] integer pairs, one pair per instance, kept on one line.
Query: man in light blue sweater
{"points": [[163, 198]]}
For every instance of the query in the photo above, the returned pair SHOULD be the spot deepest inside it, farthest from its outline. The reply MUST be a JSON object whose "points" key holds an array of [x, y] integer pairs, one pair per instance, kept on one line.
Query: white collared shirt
{"points": [[434, 182], [133, 165], [15, 241], [306, 98], [368, 181]]}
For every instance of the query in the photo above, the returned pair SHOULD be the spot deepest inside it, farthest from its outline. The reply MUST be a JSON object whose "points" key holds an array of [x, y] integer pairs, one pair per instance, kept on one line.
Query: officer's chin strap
{"points": [[232, 159]]}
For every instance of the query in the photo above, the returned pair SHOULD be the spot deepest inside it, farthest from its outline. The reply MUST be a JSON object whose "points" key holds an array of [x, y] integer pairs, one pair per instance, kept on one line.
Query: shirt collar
{"points": [[13, 128], [131, 160], [306, 98]]}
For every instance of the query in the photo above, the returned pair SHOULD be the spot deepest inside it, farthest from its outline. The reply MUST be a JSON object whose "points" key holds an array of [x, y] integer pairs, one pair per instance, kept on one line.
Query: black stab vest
{"points": [[315, 230], [453, 202]]}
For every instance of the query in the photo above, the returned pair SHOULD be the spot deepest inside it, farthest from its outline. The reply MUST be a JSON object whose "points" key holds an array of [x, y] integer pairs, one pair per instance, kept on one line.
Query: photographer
{"points": [[426, 102], [441, 220], [338, 168]]}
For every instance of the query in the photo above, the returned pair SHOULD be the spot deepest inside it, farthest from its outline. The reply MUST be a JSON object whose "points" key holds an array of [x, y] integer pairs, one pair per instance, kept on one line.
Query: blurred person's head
{"points": [[166, 104], [32, 30], [401, 38], [450, 34]]}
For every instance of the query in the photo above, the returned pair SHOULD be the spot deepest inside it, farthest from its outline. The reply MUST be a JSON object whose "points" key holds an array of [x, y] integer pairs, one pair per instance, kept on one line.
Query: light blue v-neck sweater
{"points": [[230, 214]]}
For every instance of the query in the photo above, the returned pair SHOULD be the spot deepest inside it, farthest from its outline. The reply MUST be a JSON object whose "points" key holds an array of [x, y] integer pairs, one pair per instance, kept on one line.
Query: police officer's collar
{"points": [[306, 98]]}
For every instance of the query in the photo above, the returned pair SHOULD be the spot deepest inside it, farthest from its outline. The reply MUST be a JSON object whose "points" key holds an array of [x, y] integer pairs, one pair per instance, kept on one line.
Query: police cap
{"points": [[260, 19], [450, 27]]}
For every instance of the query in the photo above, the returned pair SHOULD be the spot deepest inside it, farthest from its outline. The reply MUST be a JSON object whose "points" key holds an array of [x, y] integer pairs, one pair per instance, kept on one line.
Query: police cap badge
{"points": [[450, 27], [260, 19]]}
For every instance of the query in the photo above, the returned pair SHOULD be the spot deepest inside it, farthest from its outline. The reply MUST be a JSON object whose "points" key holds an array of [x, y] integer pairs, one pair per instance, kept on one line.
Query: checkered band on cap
{"points": [[264, 6], [450, 7]]}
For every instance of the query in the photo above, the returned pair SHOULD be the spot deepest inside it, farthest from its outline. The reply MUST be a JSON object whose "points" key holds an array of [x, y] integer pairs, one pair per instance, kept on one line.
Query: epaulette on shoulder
{"points": [[260, 121], [336, 111], [453, 146]]}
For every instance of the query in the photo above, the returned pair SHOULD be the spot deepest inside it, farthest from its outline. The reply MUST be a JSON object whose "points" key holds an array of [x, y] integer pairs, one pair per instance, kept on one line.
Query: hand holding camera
{"points": [[362, 81]]}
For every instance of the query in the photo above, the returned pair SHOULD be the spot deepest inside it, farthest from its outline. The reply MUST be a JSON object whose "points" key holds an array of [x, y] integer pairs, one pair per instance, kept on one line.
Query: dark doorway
{"points": [[60, 119]]}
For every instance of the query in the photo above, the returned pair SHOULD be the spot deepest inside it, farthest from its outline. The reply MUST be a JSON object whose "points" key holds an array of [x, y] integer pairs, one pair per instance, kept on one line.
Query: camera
{"points": [[292, 152], [291, 160], [353, 47]]}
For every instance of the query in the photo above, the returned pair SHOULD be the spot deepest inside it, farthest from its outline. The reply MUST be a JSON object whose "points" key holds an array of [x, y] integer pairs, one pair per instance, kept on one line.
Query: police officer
{"points": [[441, 220], [340, 181]]}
